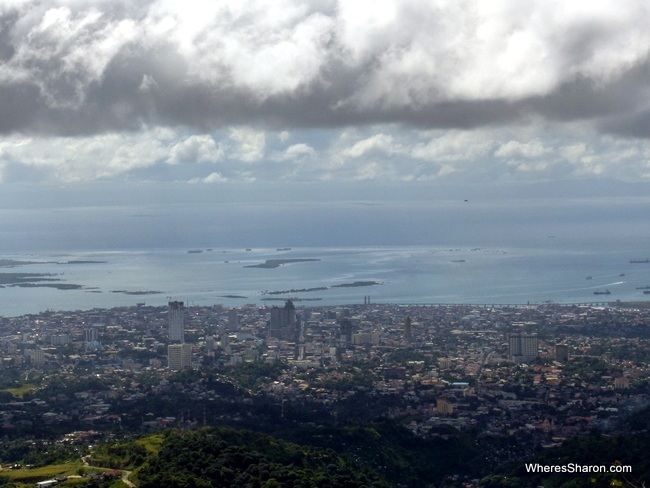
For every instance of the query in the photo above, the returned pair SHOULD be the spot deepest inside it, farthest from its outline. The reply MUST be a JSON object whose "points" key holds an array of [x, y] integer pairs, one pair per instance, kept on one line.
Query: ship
{"points": [[638, 261], [602, 292]]}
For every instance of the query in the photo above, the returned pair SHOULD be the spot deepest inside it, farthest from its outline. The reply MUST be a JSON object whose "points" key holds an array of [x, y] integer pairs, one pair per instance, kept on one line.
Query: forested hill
{"points": [[216, 457], [374, 455]]}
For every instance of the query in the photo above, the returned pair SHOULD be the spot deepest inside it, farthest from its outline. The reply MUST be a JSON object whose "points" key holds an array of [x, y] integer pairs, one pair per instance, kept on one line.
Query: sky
{"points": [[249, 97]]}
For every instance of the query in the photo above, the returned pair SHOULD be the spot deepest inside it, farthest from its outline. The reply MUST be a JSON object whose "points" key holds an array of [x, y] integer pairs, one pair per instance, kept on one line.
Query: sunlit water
{"points": [[492, 252], [401, 275]]}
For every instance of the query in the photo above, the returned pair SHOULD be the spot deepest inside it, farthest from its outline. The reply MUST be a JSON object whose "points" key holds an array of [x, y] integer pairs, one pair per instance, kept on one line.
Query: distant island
{"points": [[10, 263], [292, 299], [19, 278], [276, 263], [58, 286], [127, 292], [356, 283], [293, 290], [80, 261]]}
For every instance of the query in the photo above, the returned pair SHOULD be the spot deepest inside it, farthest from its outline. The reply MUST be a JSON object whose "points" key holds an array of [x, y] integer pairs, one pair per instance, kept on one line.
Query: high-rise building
{"points": [[176, 319], [36, 356], [91, 335], [179, 356], [408, 335], [345, 334], [233, 319], [523, 347], [283, 321], [561, 352]]}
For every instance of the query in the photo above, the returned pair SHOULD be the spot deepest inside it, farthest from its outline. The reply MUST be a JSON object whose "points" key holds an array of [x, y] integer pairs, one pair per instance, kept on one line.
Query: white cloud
{"points": [[381, 143], [529, 150], [454, 146], [248, 144], [211, 178], [200, 149], [574, 152], [71, 159], [299, 151]]}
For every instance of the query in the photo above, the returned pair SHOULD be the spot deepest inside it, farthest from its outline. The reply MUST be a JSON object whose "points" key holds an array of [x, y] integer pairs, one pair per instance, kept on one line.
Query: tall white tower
{"points": [[176, 322]]}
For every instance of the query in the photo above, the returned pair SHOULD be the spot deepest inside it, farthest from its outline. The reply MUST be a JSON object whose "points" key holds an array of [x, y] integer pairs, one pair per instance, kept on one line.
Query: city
{"points": [[521, 379]]}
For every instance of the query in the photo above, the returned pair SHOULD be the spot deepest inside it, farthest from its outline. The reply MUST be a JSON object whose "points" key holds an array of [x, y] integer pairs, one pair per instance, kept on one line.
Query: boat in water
{"points": [[602, 292]]}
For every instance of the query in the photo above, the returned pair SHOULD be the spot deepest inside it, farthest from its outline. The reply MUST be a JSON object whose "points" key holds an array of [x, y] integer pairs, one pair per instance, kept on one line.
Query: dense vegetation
{"points": [[212, 457], [596, 450]]}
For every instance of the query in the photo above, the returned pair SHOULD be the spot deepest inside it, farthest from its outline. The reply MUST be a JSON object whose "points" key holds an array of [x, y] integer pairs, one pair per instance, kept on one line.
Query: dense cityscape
{"points": [[479, 169], [518, 380]]}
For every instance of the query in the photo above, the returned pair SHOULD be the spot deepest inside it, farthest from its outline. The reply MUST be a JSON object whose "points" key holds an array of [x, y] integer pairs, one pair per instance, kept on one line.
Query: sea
{"points": [[420, 249], [318, 276]]}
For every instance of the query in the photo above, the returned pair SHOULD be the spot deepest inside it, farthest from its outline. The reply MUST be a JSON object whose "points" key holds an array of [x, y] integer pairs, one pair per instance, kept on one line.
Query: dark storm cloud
{"points": [[87, 67]]}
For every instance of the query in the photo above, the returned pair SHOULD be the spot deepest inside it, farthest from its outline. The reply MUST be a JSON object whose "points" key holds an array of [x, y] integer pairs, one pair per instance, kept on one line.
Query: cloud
{"points": [[211, 178], [200, 149], [372, 89], [248, 144], [378, 143], [93, 66], [529, 149], [299, 151]]}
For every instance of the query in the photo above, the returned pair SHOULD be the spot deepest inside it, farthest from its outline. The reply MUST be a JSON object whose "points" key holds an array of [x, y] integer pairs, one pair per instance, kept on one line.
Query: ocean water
{"points": [[399, 275], [428, 248]]}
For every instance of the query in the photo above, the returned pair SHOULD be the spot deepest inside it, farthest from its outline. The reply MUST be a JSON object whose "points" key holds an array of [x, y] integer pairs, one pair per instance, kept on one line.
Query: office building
{"points": [[561, 352], [408, 335], [523, 347], [283, 322], [233, 319], [345, 332], [179, 356], [91, 335], [176, 319]]}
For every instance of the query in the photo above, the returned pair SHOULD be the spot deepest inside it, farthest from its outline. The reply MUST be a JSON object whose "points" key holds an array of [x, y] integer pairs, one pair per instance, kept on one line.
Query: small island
{"points": [[276, 263], [10, 263], [58, 286], [357, 283], [294, 290], [292, 299], [144, 292], [19, 278], [83, 261]]}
